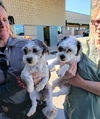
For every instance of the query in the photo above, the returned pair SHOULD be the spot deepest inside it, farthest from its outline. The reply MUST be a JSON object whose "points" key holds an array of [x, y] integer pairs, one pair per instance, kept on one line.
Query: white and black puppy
{"points": [[34, 58], [68, 50]]}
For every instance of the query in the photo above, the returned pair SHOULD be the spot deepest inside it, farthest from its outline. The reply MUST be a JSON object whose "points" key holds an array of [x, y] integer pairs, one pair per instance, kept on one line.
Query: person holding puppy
{"points": [[14, 99], [83, 102]]}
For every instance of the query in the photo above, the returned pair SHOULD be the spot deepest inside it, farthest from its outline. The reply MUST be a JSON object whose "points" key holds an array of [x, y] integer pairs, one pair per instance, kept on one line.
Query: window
{"points": [[19, 30], [59, 29]]}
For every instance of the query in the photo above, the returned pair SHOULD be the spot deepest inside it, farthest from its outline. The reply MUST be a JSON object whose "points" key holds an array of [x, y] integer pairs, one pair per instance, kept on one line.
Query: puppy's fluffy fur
{"points": [[68, 50], [34, 58]]}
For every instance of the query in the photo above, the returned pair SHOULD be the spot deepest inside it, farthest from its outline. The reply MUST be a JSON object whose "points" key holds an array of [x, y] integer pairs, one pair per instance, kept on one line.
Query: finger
{"points": [[71, 81], [63, 63], [73, 68]]}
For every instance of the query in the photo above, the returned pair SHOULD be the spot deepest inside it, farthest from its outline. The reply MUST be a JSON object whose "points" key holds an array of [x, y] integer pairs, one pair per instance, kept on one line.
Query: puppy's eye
{"points": [[25, 51], [35, 50], [69, 50], [60, 49]]}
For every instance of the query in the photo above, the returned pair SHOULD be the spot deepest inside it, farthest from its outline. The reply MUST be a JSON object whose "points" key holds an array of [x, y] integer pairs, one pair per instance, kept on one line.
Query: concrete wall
{"points": [[37, 12]]}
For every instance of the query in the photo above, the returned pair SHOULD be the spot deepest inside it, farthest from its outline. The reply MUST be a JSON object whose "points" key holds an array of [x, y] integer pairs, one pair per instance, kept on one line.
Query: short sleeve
{"points": [[85, 44], [88, 69]]}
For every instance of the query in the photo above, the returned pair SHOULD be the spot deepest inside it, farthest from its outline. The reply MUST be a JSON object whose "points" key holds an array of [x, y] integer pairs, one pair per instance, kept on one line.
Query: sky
{"points": [[79, 6]]}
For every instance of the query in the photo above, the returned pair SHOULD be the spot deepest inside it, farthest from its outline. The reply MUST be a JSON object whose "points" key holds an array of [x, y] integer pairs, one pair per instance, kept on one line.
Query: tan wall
{"points": [[30, 30], [37, 12]]}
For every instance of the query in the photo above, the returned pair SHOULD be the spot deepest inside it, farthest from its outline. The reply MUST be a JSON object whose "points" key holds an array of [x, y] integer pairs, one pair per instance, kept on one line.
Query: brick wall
{"points": [[37, 12]]}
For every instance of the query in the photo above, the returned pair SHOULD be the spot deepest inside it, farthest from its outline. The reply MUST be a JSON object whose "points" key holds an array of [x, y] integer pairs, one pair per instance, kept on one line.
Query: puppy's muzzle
{"points": [[29, 60], [62, 57]]}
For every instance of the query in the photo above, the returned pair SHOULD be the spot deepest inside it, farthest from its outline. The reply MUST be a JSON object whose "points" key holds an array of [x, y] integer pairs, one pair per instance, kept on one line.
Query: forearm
{"points": [[88, 85], [91, 86]]}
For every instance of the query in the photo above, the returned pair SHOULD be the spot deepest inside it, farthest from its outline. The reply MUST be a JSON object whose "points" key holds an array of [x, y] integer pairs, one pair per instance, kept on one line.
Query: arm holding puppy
{"points": [[78, 81], [91, 86]]}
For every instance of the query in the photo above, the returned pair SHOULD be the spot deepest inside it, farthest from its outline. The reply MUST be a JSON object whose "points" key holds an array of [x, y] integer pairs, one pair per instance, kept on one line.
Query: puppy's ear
{"points": [[79, 48], [42, 45], [58, 42], [64, 38]]}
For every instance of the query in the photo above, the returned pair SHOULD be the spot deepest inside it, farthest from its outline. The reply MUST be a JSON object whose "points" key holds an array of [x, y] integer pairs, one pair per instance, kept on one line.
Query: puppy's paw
{"points": [[55, 83], [30, 89], [39, 87], [50, 112], [55, 94], [31, 111], [60, 74]]}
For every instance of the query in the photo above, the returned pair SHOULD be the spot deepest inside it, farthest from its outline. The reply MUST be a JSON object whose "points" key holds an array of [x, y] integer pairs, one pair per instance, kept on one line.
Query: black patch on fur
{"points": [[78, 48], [25, 50], [42, 45], [64, 38]]}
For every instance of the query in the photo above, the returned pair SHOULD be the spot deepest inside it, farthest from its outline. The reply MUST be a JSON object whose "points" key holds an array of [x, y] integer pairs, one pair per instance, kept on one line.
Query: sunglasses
{"points": [[95, 22]]}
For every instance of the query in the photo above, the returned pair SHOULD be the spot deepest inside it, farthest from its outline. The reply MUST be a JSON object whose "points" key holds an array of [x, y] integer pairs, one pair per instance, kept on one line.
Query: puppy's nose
{"points": [[29, 59], [62, 57]]}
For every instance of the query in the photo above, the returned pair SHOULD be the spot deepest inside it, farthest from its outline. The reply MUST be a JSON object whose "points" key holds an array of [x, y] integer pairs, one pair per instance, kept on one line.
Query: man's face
{"points": [[4, 27]]}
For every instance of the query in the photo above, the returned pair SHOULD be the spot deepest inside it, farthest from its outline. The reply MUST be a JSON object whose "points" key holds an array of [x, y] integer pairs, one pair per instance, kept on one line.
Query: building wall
{"points": [[73, 17], [37, 12], [30, 31], [77, 20]]}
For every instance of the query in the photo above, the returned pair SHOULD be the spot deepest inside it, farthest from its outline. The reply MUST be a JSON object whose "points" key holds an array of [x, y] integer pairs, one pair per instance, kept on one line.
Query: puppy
{"points": [[68, 50], [34, 58]]}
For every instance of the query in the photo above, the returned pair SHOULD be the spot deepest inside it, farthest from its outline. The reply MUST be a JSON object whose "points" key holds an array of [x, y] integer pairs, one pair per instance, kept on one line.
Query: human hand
{"points": [[20, 82], [72, 71], [37, 77], [77, 80]]}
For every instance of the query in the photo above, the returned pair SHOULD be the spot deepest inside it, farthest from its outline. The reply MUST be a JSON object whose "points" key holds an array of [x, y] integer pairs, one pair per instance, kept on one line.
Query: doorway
{"points": [[47, 35]]}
